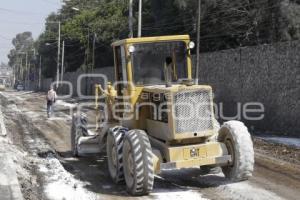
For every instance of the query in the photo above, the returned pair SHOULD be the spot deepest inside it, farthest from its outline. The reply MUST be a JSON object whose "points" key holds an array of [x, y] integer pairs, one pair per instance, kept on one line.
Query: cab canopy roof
{"points": [[152, 39]]}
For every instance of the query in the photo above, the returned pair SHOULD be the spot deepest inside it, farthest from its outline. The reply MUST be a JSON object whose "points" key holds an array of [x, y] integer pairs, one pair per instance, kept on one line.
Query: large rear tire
{"points": [[138, 163], [238, 141], [114, 148]]}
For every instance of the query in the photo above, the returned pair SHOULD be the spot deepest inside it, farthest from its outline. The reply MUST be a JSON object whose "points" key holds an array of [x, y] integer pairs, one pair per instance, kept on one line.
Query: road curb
{"points": [[9, 184], [2, 125]]}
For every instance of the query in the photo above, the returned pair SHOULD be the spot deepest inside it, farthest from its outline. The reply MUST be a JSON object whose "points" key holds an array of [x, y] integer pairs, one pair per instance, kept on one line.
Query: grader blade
{"points": [[89, 145]]}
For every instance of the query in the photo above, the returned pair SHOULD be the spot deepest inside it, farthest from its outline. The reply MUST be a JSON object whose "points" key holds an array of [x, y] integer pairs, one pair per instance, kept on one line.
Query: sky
{"points": [[17, 16]]}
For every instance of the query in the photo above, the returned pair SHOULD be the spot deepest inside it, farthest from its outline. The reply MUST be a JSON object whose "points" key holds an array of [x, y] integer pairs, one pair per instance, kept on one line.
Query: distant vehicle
{"points": [[7, 84], [20, 87], [2, 85], [16, 85]]}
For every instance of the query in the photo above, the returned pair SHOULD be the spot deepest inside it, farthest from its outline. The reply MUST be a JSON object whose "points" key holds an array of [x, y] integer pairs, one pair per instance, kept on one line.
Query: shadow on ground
{"points": [[94, 171]]}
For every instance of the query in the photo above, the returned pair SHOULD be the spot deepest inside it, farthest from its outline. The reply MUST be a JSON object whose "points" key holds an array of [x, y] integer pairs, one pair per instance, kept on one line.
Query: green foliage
{"points": [[290, 23], [230, 24], [224, 24], [102, 21], [3, 65], [23, 43]]}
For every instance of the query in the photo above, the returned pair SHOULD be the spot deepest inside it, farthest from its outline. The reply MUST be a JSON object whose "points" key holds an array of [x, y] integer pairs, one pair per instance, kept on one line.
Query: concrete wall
{"points": [[45, 83], [86, 83], [269, 74]]}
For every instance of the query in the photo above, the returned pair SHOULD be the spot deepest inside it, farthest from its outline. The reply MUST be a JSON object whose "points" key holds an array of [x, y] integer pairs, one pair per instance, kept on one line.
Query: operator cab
{"points": [[148, 61]]}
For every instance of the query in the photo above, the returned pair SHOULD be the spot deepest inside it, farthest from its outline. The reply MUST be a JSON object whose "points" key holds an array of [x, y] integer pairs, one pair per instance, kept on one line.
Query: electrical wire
{"points": [[20, 12], [202, 21], [234, 34], [20, 23], [214, 14], [5, 38], [50, 2]]}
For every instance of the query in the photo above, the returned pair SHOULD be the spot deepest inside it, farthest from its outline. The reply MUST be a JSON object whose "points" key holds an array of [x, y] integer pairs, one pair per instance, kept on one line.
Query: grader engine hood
{"points": [[184, 112]]}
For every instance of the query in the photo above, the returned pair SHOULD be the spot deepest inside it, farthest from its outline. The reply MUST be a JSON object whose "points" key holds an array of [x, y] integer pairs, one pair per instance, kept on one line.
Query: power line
{"points": [[20, 12], [203, 21], [234, 34], [209, 14], [184, 24], [190, 24], [5, 38], [50, 2], [21, 23]]}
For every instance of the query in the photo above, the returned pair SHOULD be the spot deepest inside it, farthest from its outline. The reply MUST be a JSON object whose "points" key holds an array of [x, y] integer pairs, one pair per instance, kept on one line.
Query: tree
{"points": [[225, 24], [3, 65], [107, 21], [23, 44], [230, 24], [290, 20]]}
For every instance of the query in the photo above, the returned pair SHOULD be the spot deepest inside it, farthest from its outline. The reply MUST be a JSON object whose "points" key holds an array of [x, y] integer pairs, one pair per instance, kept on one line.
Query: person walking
{"points": [[51, 99], [168, 71]]}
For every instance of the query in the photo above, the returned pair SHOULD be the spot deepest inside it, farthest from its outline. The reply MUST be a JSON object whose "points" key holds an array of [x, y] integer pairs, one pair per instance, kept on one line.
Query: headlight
{"points": [[131, 49], [192, 45]]}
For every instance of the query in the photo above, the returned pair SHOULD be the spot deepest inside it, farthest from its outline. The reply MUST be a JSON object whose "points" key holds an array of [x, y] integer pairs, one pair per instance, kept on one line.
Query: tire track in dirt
{"points": [[90, 174]]}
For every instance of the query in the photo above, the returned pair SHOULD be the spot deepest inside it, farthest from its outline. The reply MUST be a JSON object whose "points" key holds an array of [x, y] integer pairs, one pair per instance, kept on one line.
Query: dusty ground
{"points": [[281, 151], [47, 171]]}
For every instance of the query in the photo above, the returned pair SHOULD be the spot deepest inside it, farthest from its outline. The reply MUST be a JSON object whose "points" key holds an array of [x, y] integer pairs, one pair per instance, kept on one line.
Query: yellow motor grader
{"points": [[154, 117]]}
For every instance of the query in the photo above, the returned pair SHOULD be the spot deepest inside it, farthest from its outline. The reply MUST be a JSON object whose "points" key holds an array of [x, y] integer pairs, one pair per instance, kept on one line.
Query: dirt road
{"points": [[46, 169]]}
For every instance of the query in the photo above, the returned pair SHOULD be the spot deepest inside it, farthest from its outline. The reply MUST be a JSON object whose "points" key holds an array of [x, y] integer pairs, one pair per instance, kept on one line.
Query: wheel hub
{"points": [[230, 148]]}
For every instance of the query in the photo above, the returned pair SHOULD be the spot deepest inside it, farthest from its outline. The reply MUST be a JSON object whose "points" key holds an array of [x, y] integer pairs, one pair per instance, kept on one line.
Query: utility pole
{"points": [[58, 55], [33, 73], [88, 60], [94, 47], [28, 74], [130, 18], [198, 42], [18, 72], [62, 61], [40, 73], [26, 69], [14, 74], [20, 77], [140, 18]]}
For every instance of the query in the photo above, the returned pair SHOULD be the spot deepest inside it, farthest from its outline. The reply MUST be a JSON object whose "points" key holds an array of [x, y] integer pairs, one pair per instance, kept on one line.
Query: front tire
{"points": [[73, 137], [138, 163], [238, 141], [114, 148], [78, 129]]}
